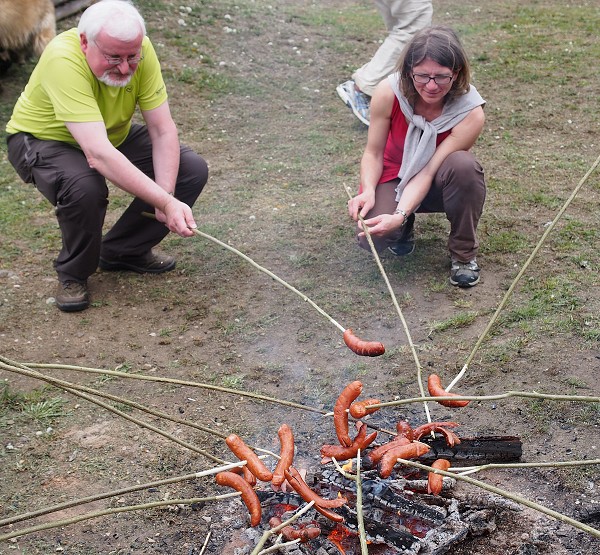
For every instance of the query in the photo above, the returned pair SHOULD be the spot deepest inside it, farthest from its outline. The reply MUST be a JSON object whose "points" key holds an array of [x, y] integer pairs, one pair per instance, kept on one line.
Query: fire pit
{"points": [[399, 515], [401, 509]]}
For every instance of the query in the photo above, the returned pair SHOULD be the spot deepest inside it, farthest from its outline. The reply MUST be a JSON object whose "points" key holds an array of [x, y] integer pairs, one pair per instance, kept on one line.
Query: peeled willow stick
{"points": [[264, 270], [115, 493], [359, 504], [138, 406], [359, 509], [520, 275], [161, 379], [104, 512], [464, 470], [77, 391], [508, 495], [505, 395], [413, 350]]}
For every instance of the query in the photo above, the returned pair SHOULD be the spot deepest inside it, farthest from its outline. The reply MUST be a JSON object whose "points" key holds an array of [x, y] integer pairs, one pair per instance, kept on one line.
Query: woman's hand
{"points": [[383, 224], [361, 203]]}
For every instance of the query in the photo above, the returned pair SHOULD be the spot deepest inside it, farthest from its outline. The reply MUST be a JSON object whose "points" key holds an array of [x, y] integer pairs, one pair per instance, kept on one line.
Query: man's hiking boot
{"points": [[72, 296], [152, 263]]}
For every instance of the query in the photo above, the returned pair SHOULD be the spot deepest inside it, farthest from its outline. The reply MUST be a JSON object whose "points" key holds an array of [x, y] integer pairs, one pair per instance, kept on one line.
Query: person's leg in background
{"points": [[402, 18], [80, 196]]}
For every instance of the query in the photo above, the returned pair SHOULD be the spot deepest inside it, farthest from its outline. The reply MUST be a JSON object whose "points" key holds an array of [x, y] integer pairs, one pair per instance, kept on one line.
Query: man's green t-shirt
{"points": [[62, 88]]}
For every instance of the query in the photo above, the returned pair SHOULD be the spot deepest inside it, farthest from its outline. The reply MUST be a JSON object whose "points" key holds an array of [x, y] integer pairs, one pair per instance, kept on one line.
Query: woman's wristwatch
{"points": [[404, 214]]}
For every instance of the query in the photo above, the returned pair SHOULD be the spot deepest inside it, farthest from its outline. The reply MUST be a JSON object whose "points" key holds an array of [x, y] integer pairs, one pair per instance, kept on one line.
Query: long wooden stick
{"points": [[411, 344], [508, 495], [104, 512], [520, 275]]}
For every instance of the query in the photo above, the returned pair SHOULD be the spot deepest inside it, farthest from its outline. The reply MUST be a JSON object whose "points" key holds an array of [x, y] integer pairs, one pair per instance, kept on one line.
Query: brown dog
{"points": [[26, 27]]}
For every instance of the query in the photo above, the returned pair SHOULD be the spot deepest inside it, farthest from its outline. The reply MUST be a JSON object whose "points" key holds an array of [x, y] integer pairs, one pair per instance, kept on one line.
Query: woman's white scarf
{"points": [[420, 142]]}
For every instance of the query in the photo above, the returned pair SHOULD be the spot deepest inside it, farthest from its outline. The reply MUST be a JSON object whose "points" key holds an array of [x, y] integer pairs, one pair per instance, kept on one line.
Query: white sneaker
{"points": [[356, 100]]}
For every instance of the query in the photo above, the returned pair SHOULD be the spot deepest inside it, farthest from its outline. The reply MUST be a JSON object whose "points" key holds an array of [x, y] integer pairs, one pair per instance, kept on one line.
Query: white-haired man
{"points": [[72, 129]]}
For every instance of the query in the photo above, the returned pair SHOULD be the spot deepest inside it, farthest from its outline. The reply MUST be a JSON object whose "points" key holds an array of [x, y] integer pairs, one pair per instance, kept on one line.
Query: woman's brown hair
{"points": [[441, 45]]}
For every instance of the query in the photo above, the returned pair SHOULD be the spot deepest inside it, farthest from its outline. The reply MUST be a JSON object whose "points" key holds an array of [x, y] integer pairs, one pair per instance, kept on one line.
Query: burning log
{"points": [[488, 449]]}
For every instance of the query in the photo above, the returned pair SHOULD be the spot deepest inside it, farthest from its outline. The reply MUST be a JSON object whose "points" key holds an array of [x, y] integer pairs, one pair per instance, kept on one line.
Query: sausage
{"points": [[301, 487], [304, 534], [249, 496], [244, 453], [451, 438], [340, 414], [434, 385], [286, 439], [363, 348], [409, 451], [360, 409], [403, 428], [436, 481], [374, 456], [289, 533], [245, 472], [341, 453]]}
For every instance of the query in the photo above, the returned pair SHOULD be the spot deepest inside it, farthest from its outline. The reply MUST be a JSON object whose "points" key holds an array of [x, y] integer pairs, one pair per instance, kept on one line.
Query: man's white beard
{"points": [[110, 80]]}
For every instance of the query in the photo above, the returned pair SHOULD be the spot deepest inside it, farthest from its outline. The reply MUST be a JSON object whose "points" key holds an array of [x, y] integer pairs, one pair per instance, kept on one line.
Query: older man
{"points": [[71, 130]]}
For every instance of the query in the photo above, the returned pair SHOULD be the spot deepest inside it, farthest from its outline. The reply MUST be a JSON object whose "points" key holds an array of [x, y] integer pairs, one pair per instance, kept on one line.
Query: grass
{"points": [[38, 405]]}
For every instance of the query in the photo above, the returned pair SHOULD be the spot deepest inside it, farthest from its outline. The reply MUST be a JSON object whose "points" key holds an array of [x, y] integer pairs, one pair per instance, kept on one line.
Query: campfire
{"points": [[391, 506], [399, 516]]}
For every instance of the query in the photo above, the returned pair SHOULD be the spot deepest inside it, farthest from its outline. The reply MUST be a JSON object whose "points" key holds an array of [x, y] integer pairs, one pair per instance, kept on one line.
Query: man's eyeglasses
{"points": [[423, 79], [118, 60]]}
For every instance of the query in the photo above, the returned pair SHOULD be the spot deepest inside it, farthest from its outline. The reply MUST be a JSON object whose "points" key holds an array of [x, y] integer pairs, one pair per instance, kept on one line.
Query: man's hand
{"points": [[178, 217]]}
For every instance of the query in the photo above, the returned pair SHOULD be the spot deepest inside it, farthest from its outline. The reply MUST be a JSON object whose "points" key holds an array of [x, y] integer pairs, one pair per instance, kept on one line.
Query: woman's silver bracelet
{"points": [[400, 211]]}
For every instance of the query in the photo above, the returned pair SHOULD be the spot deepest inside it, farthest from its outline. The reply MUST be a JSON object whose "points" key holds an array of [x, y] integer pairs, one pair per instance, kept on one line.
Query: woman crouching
{"points": [[425, 117]]}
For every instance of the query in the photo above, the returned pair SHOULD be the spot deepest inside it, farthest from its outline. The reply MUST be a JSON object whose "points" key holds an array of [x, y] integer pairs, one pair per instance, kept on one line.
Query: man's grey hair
{"points": [[119, 19]]}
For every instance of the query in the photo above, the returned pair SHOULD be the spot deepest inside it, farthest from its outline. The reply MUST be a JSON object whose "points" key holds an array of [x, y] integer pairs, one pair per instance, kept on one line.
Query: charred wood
{"points": [[484, 450]]}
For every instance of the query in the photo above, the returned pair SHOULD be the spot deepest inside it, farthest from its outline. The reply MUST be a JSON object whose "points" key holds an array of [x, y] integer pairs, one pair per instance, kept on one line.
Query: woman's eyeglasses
{"points": [[423, 79]]}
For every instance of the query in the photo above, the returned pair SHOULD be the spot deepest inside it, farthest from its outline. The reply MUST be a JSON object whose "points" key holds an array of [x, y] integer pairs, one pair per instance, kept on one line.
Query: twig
{"points": [[273, 531], [520, 275], [115, 493], [104, 512], [161, 379], [359, 509], [508, 495], [205, 542], [413, 350], [262, 269]]}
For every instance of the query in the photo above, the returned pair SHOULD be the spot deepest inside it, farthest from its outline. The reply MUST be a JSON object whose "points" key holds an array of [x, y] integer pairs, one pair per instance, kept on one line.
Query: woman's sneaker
{"points": [[406, 244], [464, 274]]}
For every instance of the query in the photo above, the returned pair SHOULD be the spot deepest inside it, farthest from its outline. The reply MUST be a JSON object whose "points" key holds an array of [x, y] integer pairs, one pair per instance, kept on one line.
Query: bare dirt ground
{"points": [[281, 148]]}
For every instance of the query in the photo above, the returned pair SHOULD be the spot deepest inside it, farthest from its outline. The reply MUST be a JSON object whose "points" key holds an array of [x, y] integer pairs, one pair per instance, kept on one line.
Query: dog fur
{"points": [[26, 27]]}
